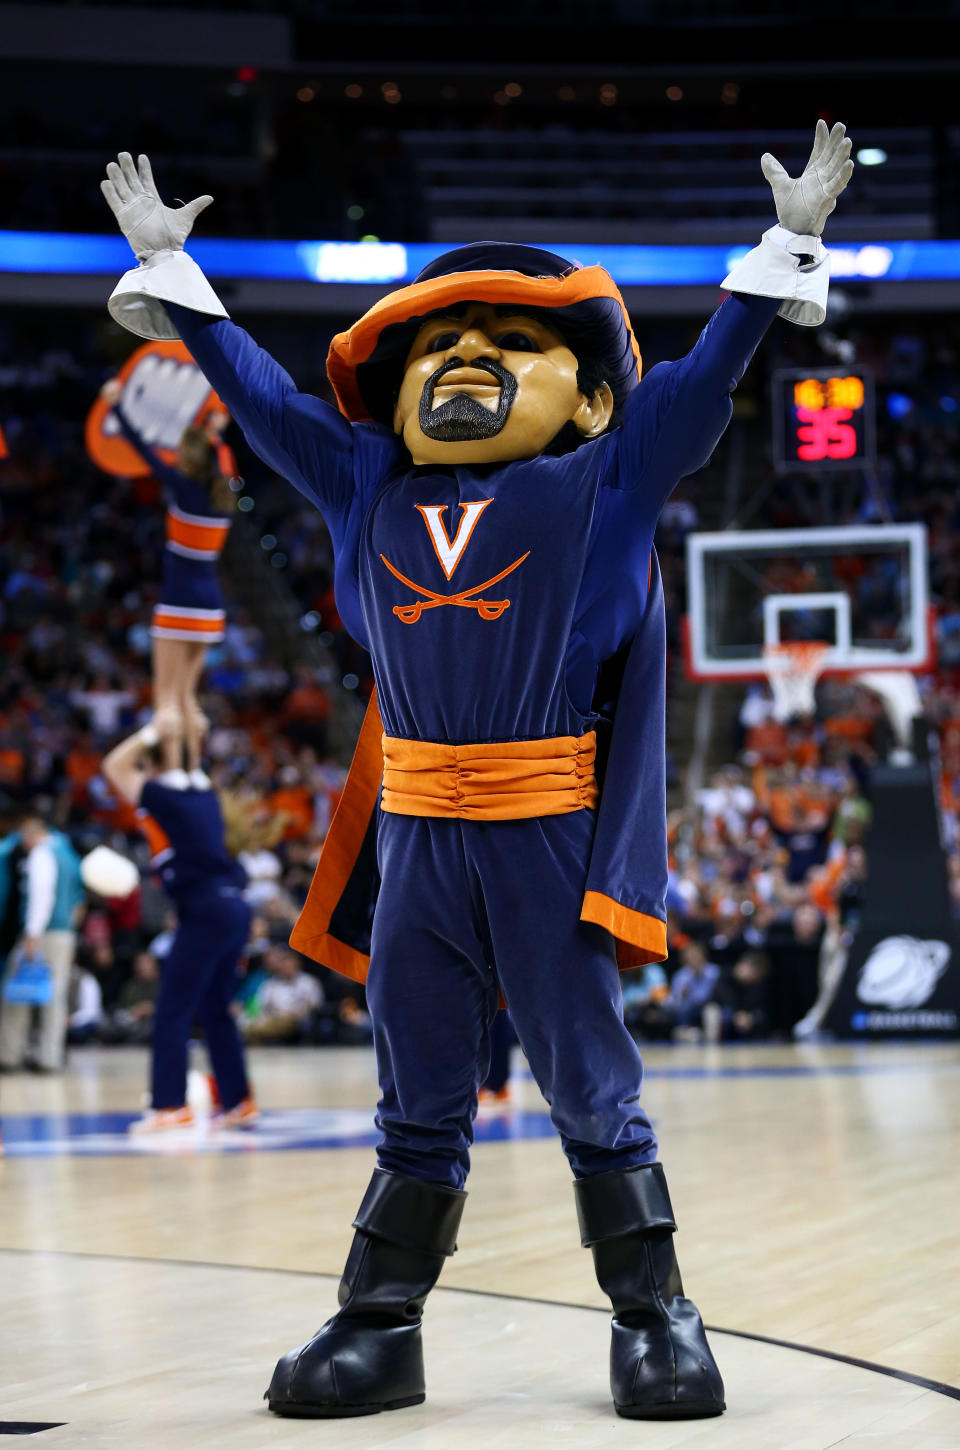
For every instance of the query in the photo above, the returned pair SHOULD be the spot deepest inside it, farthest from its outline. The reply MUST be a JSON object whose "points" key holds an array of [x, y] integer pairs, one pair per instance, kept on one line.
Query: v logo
{"points": [[451, 551]]}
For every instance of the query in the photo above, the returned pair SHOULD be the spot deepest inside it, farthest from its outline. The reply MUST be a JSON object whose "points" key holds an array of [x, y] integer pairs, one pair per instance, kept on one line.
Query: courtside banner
{"points": [[164, 392], [390, 263], [902, 975]]}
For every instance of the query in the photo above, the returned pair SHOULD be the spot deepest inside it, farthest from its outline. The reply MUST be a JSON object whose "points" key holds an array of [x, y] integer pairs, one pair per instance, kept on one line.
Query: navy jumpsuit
{"points": [[468, 908]]}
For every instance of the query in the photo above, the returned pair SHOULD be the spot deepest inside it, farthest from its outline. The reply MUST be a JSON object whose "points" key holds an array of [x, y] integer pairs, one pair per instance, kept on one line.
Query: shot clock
{"points": [[823, 419]]}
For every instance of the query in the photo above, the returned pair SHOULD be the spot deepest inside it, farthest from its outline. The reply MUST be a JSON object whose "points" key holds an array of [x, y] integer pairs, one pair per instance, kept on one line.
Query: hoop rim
{"points": [[751, 671], [813, 650], [792, 669]]}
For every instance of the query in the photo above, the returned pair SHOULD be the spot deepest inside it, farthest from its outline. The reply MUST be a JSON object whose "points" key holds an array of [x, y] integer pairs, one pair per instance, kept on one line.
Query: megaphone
{"points": [[108, 873]]}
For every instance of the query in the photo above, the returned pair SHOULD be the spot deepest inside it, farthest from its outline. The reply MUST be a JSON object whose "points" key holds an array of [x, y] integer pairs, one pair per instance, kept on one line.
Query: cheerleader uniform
{"points": [[198, 978], [191, 606]]}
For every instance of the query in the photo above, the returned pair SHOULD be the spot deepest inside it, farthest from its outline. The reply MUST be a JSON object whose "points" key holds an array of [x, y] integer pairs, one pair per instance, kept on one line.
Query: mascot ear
{"points": [[593, 414]]}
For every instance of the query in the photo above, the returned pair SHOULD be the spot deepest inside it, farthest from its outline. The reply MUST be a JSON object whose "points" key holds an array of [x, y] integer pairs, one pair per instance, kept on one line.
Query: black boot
{"points": [[661, 1367], [369, 1356]]}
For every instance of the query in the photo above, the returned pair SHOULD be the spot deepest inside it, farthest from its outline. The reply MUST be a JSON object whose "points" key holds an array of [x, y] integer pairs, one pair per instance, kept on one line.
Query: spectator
{"points": [[691, 989], [53, 893], [742, 999], [104, 705], [307, 712], [160, 945], [794, 947], [678, 1013], [133, 1019], [284, 1004], [85, 1005], [644, 988]]}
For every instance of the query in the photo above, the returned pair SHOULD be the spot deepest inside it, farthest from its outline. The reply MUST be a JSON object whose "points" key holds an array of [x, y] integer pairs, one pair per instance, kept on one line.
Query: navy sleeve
{"points": [[296, 434], [679, 413], [161, 803]]}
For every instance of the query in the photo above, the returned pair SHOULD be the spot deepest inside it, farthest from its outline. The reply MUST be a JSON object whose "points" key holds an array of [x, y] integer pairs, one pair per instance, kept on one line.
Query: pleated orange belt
{"points": [[509, 780]]}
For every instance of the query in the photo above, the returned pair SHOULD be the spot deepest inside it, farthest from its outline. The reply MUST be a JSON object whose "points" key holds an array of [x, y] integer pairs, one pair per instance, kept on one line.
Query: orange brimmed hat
{"points": [[583, 303]]}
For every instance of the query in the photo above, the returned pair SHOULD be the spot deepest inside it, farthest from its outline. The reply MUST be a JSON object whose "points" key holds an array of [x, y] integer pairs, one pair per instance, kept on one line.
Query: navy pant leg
{"points": [[196, 961], [224, 1043], [431, 995], [183, 979], [560, 980], [502, 1038]]}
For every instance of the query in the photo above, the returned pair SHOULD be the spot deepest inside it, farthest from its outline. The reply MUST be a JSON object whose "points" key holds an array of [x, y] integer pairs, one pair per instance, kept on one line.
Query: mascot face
{"points": [[486, 384]]}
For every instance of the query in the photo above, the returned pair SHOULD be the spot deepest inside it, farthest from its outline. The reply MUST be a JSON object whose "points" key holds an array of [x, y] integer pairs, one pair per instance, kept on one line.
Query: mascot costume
{"points": [[492, 482]]}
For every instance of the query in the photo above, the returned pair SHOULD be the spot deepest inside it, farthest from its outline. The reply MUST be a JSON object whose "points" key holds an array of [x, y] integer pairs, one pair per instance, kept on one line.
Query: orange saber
{"points": [[486, 608]]}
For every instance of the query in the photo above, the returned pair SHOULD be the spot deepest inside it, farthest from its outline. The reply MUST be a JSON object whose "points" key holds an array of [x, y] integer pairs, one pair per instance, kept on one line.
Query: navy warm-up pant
{"points": [[467, 908], [197, 982]]}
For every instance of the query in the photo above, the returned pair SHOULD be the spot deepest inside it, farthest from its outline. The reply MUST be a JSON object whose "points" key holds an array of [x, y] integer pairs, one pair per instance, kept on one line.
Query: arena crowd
{"points": [[767, 864]]}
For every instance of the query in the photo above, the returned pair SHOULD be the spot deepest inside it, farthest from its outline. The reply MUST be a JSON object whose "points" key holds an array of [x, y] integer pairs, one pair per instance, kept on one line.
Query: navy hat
{"points": [[365, 363]]}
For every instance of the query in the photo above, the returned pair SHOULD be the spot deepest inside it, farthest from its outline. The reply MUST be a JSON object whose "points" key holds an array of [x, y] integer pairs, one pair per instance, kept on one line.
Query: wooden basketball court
{"points": [[149, 1286]]}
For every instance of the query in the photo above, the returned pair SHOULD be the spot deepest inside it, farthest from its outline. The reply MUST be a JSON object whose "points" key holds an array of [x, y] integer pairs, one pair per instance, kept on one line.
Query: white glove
{"points": [[147, 224], [804, 204]]}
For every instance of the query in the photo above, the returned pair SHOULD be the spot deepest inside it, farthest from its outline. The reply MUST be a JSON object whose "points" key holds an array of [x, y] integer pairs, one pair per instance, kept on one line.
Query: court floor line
{"points": [[935, 1386], [839, 1069]]}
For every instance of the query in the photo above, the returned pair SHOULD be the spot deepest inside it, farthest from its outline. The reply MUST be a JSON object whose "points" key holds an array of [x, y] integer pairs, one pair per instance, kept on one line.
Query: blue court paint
{"points": [[51, 1135]]}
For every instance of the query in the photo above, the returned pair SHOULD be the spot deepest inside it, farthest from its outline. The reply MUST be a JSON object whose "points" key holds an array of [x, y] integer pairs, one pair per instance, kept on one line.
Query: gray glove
{"points": [[804, 204], [147, 224]]}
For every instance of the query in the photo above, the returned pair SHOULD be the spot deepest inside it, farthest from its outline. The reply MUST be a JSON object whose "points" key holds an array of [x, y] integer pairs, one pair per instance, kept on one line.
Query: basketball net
{"points": [[792, 668]]}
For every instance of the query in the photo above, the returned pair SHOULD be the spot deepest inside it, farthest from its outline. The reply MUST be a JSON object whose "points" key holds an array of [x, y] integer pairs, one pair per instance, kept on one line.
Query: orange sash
{"points": [[511, 780]]}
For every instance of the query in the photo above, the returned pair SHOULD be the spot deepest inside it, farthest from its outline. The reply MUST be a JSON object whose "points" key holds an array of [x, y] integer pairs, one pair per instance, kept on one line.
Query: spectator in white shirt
{"points": [[104, 706], [263, 870], [285, 1002], [86, 1006]]}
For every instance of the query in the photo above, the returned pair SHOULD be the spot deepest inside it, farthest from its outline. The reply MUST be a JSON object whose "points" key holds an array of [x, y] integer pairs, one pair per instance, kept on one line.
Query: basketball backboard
{"points": [[861, 589]]}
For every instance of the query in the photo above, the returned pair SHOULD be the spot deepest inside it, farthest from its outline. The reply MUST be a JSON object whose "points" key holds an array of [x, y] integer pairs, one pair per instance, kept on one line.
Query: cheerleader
{"points": [[191, 613], [184, 824]]}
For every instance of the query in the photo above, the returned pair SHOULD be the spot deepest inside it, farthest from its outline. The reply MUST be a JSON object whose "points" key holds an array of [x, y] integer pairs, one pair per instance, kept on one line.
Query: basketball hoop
{"points": [[792, 668]]}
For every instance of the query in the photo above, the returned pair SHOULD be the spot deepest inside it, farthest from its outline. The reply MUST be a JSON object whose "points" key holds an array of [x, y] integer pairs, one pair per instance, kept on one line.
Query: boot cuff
{"points": [[412, 1214], [629, 1200]]}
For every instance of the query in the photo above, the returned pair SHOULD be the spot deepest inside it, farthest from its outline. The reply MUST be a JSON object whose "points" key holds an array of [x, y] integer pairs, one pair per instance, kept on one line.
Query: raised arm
{"points": [[298, 435], [167, 475], [124, 766], [677, 416], [167, 296]]}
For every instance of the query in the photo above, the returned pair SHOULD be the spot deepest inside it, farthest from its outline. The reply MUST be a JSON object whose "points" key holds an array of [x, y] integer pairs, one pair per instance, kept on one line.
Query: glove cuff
{"points": [[787, 265], [167, 276]]}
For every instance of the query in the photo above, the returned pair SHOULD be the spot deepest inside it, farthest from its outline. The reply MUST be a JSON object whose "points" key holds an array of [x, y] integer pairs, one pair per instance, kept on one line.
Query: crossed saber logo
{"points": [[450, 553]]}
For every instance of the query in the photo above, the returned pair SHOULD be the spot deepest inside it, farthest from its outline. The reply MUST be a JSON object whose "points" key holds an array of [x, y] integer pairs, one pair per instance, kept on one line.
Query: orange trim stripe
{"points": [[156, 837], [648, 934], [206, 538], [193, 625], [512, 780], [310, 934], [357, 345]]}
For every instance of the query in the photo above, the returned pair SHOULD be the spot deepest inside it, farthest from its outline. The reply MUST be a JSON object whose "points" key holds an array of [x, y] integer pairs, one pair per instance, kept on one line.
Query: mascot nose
{"points": [[473, 344]]}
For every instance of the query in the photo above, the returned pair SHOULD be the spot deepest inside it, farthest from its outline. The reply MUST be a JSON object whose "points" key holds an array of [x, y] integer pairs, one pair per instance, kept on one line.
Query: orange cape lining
{"points": [[358, 344], [641, 939]]}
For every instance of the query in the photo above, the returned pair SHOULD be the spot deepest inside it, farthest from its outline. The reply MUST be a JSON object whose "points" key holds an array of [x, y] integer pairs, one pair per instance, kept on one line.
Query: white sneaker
{"points": [[163, 1120]]}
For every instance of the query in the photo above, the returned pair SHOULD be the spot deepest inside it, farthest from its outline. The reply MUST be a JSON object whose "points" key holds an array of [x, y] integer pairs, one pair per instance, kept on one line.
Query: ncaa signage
{"points": [[164, 392], [896, 983], [902, 974]]}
